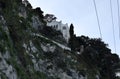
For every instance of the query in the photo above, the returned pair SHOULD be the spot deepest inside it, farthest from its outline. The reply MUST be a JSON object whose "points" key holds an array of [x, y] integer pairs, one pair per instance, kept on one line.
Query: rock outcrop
{"points": [[27, 53]]}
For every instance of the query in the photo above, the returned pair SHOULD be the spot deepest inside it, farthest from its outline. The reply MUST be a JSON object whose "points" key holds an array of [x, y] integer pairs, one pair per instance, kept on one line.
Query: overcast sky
{"points": [[82, 14]]}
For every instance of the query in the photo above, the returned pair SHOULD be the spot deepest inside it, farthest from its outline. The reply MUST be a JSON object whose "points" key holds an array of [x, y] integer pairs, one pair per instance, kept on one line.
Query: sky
{"points": [[82, 14]]}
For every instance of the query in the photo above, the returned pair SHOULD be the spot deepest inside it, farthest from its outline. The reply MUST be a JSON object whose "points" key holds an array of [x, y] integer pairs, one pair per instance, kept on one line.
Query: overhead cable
{"points": [[97, 18], [113, 27], [118, 16]]}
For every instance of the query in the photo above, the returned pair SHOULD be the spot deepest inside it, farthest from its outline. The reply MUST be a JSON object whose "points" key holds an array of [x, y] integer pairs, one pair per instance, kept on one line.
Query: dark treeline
{"points": [[97, 53]]}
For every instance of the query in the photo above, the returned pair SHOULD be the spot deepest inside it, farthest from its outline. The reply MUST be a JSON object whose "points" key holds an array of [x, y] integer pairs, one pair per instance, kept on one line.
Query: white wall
{"points": [[61, 27]]}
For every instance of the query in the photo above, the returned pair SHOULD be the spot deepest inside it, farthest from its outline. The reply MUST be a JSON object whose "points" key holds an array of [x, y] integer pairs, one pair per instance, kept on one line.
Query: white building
{"points": [[58, 25]]}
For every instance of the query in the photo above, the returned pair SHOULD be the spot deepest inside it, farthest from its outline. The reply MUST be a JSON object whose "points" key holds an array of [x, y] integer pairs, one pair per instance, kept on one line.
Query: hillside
{"points": [[29, 49]]}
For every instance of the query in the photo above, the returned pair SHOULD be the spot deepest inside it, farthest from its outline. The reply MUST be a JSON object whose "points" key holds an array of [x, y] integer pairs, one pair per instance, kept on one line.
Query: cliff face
{"points": [[31, 50]]}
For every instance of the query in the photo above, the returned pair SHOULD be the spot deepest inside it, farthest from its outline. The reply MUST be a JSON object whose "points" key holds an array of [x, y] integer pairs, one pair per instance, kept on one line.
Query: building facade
{"points": [[58, 25]]}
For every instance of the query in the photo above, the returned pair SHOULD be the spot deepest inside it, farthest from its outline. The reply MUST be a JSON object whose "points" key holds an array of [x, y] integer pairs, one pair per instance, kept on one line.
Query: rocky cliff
{"points": [[31, 50]]}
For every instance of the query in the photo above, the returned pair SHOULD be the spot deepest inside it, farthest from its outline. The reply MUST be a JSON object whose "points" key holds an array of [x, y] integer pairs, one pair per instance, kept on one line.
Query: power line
{"points": [[113, 27], [118, 16], [97, 18]]}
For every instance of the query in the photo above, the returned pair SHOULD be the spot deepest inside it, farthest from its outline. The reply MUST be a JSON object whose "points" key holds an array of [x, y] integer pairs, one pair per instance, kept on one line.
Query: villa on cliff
{"points": [[58, 25]]}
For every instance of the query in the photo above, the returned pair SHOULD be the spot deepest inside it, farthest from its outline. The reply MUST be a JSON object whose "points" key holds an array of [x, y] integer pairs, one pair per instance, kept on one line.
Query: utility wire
{"points": [[97, 18], [113, 27], [118, 16]]}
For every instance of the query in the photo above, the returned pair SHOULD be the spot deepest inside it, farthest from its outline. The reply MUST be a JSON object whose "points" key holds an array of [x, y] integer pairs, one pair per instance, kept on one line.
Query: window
{"points": [[56, 26], [64, 28]]}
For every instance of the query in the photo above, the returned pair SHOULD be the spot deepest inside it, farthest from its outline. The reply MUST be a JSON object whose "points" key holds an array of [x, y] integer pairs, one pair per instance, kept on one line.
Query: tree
{"points": [[39, 12], [2, 4], [71, 30], [50, 17], [71, 40], [19, 1]]}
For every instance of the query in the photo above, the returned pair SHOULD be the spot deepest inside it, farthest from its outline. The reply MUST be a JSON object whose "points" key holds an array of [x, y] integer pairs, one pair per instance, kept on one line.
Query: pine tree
{"points": [[71, 31]]}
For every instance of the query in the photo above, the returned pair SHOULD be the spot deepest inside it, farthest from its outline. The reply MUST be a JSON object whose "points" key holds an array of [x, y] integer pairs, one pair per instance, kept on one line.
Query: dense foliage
{"points": [[97, 54]]}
